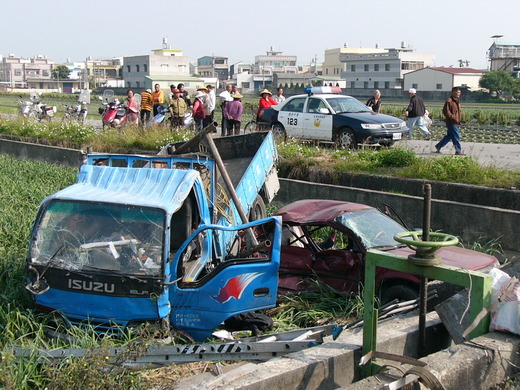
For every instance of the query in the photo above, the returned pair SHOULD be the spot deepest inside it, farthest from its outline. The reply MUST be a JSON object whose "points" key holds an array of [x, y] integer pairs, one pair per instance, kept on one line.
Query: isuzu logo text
{"points": [[86, 285]]}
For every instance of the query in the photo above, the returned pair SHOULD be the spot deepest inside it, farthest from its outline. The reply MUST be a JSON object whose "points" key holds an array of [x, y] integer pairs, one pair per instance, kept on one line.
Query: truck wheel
{"points": [[401, 292], [345, 139], [258, 210]]}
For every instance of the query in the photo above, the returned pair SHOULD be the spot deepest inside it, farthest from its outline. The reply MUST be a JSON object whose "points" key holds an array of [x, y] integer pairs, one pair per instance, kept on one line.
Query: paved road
{"points": [[503, 156]]}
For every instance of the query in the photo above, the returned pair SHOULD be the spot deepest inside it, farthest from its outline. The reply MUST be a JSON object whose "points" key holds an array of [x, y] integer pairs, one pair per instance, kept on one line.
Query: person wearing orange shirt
{"points": [[157, 98]]}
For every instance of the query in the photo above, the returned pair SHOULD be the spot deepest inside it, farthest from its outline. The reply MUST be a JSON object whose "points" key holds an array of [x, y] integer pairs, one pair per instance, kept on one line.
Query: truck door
{"points": [[291, 117], [238, 279]]}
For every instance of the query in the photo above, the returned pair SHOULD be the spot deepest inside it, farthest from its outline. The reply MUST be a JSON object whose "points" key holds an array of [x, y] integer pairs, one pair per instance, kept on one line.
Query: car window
{"points": [[346, 105], [315, 105], [327, 237], [295, 105]]}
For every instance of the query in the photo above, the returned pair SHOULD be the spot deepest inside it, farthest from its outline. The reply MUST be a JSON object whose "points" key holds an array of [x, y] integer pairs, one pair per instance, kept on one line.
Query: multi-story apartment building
{"points": [[383, 70], [505, 56], [33, 73], [213, 67]]}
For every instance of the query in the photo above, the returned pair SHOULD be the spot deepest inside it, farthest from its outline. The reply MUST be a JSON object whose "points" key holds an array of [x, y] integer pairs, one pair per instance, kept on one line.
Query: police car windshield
{"points": [[346, 105]]}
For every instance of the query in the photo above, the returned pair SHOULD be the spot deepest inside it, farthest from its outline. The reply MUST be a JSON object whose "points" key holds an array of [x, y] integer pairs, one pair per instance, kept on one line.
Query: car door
{"points": [[291, 116], [336, 263], [317, 120]]}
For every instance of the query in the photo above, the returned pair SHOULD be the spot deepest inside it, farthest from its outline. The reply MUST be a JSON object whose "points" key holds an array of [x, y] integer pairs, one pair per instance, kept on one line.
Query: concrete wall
{"points": [[454, 214], [469, 222]]}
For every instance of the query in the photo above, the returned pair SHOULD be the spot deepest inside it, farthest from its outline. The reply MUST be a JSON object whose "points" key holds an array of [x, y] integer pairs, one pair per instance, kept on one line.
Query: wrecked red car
{"points": [[328, 239]]}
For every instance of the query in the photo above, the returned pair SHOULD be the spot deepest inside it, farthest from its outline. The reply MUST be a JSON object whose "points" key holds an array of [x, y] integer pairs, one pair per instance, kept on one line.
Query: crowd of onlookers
{"points": [[202, 106]]}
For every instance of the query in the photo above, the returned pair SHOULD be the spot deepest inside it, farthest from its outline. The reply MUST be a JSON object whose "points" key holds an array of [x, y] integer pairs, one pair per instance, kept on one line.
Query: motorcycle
{"points": [[80, 111], [113, 113], [34, 109], [159, 118]]}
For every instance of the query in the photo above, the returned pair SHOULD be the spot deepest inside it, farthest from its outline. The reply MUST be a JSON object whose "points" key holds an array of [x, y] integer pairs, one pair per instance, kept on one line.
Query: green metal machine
{"points": [[425, 264]]}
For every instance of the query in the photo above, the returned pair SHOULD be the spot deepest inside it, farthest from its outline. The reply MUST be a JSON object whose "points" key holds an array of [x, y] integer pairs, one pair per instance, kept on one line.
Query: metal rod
{"points": [[229, 185], [423, 292]]}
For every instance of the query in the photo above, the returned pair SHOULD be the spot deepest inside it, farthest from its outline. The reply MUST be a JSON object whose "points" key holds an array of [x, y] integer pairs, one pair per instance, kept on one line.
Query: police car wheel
{"points": [[346, 139]]}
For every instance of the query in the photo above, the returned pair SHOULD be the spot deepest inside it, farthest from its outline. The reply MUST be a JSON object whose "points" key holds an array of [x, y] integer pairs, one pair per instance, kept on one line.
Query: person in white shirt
{"points": [[278, 98], [210, 108]]}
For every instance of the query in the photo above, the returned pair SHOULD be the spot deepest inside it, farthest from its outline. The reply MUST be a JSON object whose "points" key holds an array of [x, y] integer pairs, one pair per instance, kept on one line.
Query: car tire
{"points": [[258, 210], [346, 139], [401, 292], [279, 132]]}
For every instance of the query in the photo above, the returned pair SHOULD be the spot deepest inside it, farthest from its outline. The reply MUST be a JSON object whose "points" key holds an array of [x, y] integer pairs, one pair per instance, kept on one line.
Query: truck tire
{"points": [[401, 292], [258, 210]]}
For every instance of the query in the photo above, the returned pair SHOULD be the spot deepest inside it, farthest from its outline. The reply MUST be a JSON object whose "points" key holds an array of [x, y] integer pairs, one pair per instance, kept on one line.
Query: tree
{"points": [[499, 83], [61, 72]]}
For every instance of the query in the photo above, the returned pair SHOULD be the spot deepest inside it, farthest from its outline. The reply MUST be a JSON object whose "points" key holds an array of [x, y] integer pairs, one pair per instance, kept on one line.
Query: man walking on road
{"points": [[415, 113], [451, 111]]}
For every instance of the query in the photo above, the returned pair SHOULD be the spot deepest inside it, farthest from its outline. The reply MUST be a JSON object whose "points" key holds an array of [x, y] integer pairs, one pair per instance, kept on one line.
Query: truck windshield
{"points": [[89, 236]]}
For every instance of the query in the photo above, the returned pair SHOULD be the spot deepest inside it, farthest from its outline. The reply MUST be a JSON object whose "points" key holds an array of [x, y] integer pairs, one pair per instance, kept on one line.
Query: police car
{"points": [[324, 115]]}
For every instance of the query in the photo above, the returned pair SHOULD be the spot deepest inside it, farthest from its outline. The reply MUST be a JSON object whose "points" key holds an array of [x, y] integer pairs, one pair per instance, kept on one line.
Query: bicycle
{"points": [[253, 125]]}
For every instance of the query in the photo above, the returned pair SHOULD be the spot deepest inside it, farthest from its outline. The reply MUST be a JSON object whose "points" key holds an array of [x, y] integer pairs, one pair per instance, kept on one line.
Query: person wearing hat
{"points": [[225, 98], [178, 108], [198, 110], [233, 112], [266, 101], [415, 113], [146, 105]]}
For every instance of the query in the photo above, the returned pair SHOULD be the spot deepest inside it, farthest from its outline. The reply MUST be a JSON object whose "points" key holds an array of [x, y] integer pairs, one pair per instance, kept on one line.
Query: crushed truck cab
{"points": [[158, 239]]}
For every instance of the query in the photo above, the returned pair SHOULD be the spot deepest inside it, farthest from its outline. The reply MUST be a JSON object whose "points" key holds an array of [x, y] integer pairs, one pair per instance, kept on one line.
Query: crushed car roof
{"points": [[316, 210]]}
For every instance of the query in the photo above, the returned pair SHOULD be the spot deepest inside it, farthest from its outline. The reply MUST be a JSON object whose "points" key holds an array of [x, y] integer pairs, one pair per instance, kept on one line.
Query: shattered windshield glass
{"points": [[87, 236], [373, 227]]}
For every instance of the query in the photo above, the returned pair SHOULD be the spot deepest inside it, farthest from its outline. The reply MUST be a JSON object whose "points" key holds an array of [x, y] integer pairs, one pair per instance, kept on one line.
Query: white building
{"points": [[383, 69], [33, 73], [442, 79], [332, 64], [164, 64]]}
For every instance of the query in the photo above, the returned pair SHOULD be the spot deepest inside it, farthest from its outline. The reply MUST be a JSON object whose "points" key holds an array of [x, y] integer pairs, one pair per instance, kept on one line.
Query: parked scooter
{"points": [[159, 118], [34, 109], [79, 112], [113, 114]]}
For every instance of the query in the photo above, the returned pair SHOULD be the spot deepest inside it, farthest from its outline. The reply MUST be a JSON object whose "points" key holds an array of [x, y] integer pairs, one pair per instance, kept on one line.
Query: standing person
{"points": [[266, 101], [198, 110], [225, 97], [184, 94], [375, 101], [211, 104], [146, 105], [234, 89], [157, 98], [178, 108], [452, 113], [132, 110], [415, 112], [278, 98], [233, 112]]}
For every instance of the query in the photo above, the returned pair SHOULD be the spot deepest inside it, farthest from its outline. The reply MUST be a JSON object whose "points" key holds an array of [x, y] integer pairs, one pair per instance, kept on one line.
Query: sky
{"points": [[453, 30]]}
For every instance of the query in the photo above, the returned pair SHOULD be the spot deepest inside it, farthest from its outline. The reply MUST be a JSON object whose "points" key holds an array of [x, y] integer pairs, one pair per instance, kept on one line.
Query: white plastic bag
{"points": [[506, 317], [427, 120]]}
